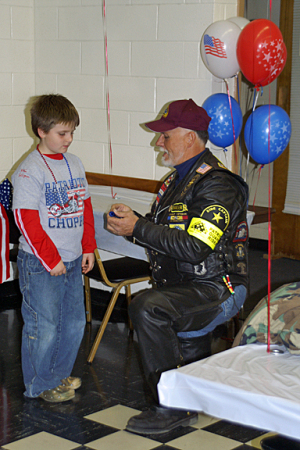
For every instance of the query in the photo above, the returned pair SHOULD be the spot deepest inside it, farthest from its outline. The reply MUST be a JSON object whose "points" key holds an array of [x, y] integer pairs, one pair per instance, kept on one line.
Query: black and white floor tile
{"points": [[113, 389]]}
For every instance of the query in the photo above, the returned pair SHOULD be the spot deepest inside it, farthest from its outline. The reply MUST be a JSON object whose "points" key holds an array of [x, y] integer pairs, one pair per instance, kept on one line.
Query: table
{"points": [[102, 200], [245, 385]]}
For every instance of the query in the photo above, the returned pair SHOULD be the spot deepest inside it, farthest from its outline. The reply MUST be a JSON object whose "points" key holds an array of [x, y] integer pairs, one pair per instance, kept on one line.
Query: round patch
{"points": [[217, 215]]}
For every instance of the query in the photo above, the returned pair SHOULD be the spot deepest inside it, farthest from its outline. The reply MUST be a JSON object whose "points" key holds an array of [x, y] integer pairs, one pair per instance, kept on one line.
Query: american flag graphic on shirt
{"points": [[214, 46], [65, 201]]}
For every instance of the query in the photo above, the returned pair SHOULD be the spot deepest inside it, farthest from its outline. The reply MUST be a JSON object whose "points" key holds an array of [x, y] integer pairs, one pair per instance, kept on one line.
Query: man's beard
{"points": [[168, 162]]}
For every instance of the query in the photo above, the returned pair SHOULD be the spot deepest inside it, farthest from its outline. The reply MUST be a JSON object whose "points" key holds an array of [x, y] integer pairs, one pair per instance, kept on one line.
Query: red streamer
{"points": [[107, 94], [269, 222]]}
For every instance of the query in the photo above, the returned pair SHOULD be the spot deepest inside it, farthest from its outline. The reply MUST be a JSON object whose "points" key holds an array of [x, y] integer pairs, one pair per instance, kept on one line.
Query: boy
{"points": [[53, 211]]}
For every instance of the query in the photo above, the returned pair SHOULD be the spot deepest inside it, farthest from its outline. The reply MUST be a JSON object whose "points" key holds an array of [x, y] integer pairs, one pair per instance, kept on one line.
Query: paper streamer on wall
{"points": [[107, 93]]}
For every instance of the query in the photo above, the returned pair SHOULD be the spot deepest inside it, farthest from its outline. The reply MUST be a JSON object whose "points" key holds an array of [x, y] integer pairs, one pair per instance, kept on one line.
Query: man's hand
{"points": [[124, 222], [88, 260], [59, 269]]}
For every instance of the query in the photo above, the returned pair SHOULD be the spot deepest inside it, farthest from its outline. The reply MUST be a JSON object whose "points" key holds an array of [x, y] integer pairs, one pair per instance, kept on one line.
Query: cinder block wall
{"points": [[153, 58]]}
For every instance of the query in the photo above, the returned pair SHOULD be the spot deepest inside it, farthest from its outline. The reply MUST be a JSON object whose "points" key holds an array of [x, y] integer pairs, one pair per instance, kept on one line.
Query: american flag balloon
{"points": [[218, 48]]}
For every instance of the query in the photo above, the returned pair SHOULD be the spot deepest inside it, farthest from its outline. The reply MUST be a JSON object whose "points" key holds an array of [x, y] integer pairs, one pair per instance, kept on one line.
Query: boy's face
{"points": [[57, 140]]}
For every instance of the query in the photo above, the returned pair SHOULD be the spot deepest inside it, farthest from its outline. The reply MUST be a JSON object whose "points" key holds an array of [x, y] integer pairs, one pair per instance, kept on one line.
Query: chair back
{"points": [[102, 270]]}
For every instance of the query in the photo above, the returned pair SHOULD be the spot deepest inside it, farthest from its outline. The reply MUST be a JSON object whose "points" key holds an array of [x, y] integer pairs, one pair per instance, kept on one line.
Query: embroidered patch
{"points": [[177, 218], [203, 168], [217, 215], [241, 268], [220, 164], [178, 226], [165, 114], [240, 251], [178, 208], [241, 232], [205, 231]]}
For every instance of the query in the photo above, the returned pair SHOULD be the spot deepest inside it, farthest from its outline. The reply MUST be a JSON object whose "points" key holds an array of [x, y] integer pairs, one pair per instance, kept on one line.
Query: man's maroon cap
{"points": [[181, 113]]}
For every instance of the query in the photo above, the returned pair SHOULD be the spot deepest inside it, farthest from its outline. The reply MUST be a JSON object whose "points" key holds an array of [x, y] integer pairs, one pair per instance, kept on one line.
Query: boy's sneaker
{"points": [[71, 382], [58, 394]]}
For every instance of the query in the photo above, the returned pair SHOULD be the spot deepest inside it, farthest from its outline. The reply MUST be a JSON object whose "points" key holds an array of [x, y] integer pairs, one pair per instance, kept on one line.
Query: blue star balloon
{"points": [[264, 144], [220, 128], [6, 194]]}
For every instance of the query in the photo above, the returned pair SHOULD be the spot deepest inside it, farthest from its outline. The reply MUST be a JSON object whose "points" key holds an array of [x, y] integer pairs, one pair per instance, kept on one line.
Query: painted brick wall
{"points": [[153, 58]]}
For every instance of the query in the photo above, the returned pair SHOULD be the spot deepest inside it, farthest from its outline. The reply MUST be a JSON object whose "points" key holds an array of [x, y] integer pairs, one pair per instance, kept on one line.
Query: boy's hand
{"points": [[88, 260], [59, 269]]}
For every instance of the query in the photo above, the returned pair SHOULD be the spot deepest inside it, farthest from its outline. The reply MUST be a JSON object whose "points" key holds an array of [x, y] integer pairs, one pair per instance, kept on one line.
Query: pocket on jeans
{"points": [[35, 267], [30, 320], [22, 281]]}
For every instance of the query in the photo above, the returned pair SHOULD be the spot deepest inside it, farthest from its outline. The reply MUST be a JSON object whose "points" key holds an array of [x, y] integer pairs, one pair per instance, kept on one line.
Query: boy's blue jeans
{"points": [[54, 321]]}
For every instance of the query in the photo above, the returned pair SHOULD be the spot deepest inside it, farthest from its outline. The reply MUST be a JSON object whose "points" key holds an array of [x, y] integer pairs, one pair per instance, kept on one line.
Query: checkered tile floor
{"points": [[208, 434], [113, 389]]}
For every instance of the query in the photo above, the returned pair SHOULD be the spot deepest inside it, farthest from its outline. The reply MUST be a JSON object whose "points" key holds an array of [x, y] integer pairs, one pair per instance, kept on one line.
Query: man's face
{"points": [[173, 144]]}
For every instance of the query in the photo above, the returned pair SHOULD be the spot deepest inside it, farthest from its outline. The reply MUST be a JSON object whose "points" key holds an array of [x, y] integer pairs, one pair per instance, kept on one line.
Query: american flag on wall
{"points": [[4, 237], [214, 46]]}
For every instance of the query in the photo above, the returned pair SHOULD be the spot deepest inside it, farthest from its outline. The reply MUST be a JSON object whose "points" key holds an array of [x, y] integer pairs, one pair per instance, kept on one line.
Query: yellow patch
{"points": [[178, 207], [220, 164], [205, 231], [179, 226]]}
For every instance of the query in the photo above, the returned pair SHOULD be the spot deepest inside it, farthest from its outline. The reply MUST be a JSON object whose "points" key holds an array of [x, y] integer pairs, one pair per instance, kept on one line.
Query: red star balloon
{"points": [[261, 52]]}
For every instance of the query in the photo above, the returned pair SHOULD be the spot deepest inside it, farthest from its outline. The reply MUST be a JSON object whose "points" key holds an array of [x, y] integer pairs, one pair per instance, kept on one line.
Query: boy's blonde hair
{"points": [[51, 109]]}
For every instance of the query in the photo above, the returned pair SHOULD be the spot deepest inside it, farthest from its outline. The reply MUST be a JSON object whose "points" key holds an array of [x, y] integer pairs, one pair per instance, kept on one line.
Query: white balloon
{"points": [[218, 48], [239, 21]]}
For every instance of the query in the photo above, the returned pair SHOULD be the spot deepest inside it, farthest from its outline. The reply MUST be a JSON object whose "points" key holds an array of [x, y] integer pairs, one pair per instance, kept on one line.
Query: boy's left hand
{"points": [[88, 260]]}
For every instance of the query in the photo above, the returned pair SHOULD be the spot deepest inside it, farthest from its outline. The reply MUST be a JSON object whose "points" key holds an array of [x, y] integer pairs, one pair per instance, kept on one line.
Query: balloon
{"points": [[261, 52], [218, 48], [257, 133], [220, 128], [278, 68], [239, 21]]}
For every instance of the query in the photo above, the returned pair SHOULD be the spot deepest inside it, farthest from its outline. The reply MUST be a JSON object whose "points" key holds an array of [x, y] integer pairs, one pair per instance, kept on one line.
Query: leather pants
{"points": [[159, 314]]}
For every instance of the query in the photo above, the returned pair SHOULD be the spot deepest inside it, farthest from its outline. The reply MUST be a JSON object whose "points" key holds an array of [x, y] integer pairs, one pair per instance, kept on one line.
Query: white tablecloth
{"points": [[245, 384], [102, 200]]}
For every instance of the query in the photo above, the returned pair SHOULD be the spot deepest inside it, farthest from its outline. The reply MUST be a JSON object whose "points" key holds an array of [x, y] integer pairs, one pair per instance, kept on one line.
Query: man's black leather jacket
{"points": [[198, 229]]}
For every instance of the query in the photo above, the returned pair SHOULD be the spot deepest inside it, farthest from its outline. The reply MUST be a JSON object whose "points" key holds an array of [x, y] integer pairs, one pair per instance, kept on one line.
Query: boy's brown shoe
{"points": [[71, 382], [58, 394]]}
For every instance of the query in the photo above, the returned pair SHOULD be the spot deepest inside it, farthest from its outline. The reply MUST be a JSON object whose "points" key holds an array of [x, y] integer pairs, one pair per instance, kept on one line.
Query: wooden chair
{"points": [[115, 273]]}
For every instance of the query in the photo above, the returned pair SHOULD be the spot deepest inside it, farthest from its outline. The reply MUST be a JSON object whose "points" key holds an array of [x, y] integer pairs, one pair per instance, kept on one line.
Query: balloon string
{"points": [[230, 106], [107, 97], [259, 173], [255, 99], [269, 228], [247, 167], [238, 89], [269, 265], [239, 101]]}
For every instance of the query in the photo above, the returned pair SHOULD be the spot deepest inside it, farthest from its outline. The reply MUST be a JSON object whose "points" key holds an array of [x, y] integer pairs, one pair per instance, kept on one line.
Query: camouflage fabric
{"points": [[284, 320]]}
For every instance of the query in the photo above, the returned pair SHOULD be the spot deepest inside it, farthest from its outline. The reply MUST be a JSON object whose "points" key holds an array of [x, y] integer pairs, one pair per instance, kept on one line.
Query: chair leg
{"points": [[88, 300], [104, 323], [128, 299]]}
